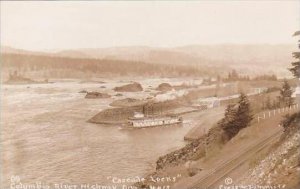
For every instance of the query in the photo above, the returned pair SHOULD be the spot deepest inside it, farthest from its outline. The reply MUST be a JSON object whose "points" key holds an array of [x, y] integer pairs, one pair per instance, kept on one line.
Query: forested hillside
{"points": [[63, 67]]}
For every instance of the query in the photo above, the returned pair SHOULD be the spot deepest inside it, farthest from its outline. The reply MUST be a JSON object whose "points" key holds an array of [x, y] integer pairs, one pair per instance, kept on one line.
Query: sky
{"points": [[60, 25]]}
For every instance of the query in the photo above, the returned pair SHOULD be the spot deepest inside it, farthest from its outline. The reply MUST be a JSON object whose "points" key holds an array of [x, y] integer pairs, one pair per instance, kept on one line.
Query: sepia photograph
{"points": [[195, 94]]}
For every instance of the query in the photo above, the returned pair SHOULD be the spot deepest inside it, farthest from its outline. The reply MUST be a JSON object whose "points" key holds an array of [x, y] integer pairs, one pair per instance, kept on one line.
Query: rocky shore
{"points": [[194, 150], [181, 159]]}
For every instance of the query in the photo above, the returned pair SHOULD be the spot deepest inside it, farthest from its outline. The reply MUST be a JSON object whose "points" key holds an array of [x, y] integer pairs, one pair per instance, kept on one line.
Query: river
{"points": [[45, 137]]}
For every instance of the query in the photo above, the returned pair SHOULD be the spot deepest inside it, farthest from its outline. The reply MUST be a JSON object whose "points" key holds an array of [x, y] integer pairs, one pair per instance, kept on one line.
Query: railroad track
{"points": [[224, 168]]}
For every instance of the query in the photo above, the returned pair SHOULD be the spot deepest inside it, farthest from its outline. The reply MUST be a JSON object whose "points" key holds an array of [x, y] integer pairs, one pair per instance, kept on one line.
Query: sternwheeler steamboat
{"points": [[139, 120]]}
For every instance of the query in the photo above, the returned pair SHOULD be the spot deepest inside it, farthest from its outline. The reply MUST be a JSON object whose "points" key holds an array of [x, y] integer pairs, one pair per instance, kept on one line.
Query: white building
{"points": [[210, 102], [296, 94], [260, 90]]}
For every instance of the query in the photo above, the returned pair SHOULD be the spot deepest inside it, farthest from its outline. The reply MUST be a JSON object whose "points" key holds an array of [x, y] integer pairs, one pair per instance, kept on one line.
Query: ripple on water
{"points": [[47, 138]]}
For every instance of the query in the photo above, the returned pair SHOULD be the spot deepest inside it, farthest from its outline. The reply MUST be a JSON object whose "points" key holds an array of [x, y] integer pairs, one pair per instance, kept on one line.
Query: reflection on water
{"points": [[45, 137]]}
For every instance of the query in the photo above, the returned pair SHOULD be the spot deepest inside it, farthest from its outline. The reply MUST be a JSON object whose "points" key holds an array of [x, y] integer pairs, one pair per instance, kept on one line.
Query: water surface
{"points": [[46, 137]]}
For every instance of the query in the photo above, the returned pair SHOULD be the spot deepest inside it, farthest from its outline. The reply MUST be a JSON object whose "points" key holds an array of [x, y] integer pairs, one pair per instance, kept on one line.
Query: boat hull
{"points": [[146, 123]]}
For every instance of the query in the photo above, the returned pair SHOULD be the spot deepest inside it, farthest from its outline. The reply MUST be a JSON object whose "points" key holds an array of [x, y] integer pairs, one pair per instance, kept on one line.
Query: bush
{"points": [[290, 121]]}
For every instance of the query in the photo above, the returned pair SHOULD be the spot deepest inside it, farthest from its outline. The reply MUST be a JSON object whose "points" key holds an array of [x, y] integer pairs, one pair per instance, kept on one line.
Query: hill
{"points": [[247, 59], [65, 67]]}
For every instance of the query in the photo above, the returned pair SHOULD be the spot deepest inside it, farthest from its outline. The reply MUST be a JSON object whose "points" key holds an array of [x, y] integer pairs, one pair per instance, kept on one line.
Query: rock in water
{"points": [[134, 87], [83, 91], [164, 87], [96, 95]]}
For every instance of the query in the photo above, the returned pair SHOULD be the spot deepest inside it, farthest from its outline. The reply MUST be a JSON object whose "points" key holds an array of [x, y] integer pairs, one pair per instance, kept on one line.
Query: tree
{"points": [[295, 69], [275, 104], [268, 104], [244, 116], [234, 74], [217, 89], [286, 94], [229, 76], [236, 118], [228, 123], [296, 65], [290, 121]]}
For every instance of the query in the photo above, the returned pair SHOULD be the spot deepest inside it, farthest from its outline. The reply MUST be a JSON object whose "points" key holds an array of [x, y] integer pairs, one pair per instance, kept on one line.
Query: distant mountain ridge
{"points": [[246, 58]]}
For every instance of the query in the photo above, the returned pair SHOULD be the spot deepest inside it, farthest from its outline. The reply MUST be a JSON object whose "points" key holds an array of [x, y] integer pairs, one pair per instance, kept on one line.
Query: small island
{"points": [[16, 78]]}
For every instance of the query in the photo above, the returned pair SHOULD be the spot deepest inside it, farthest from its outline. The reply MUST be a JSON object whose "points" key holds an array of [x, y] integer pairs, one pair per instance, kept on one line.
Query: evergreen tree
{"points": [[244, 115], [217, 89], [228, 123], [234, 75], [286, 94], [296, 65], [229, 76], [238, 118], [268, 103], [275, 104], [296, 68]]}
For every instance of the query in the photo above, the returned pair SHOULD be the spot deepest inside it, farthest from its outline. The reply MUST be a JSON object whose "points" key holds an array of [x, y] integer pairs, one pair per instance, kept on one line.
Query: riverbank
{"points": [[200, 156]]}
